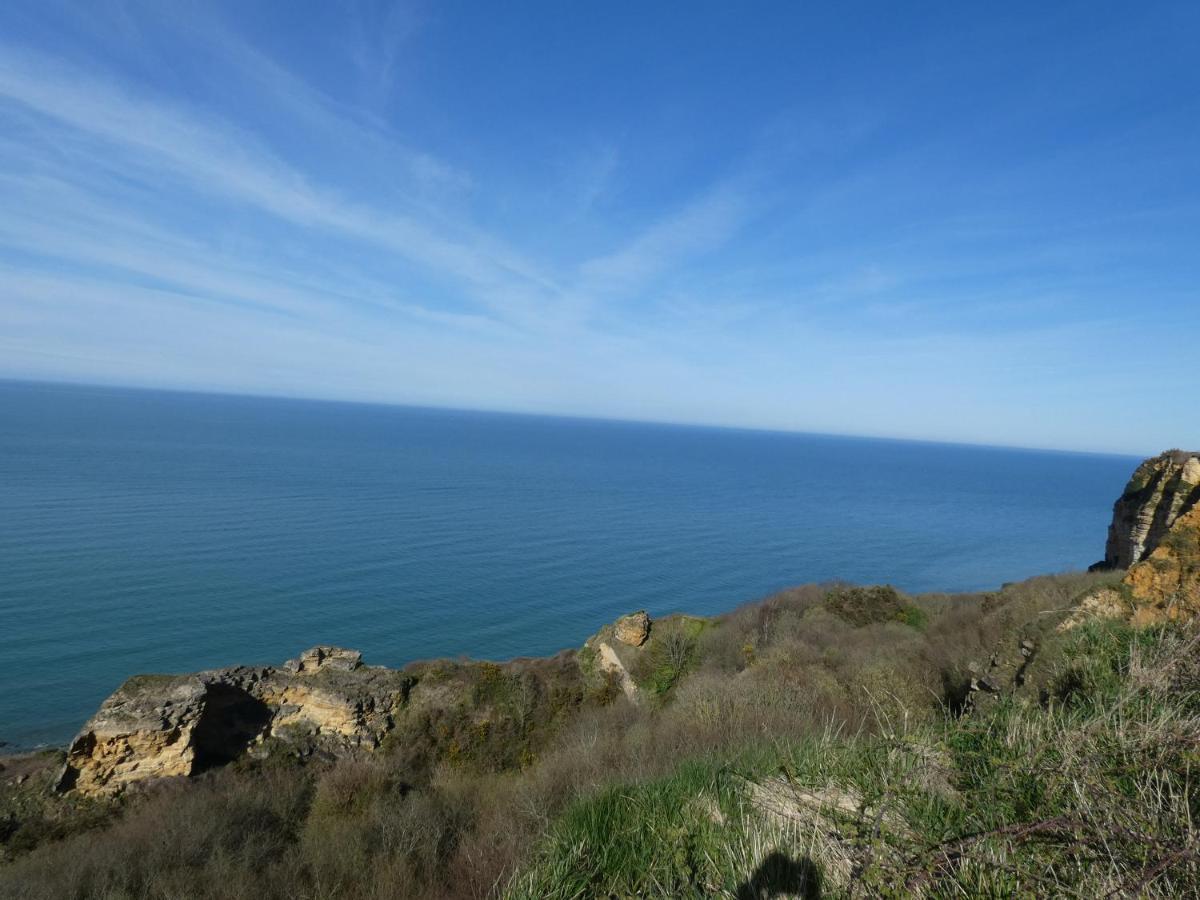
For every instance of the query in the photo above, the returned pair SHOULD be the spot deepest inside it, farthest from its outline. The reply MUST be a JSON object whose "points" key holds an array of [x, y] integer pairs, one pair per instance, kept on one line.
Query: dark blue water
{"points": [[144, 531]]}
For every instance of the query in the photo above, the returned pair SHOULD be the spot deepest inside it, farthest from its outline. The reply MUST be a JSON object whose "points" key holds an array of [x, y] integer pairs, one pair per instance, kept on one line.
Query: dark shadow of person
{"points": [[780, 875]]}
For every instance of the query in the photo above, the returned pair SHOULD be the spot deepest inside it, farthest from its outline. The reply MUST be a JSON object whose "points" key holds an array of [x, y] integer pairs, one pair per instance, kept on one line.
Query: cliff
{"points": [[1156, 532], [328, 704], [158, 726], [1162, 489]]}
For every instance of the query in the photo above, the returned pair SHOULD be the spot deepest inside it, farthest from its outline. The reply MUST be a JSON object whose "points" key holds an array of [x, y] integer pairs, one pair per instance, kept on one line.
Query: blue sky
{"points": [[975, 222]]}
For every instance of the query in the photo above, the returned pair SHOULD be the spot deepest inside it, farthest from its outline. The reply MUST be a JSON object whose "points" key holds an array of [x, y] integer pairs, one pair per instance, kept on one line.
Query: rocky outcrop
{"points": [[633, 629], [1162, 489], [322, 705], [1003, 673], [318, 658], [1166, 585], [1161, 534], [157, 726], [616, 649], [144, 730]]}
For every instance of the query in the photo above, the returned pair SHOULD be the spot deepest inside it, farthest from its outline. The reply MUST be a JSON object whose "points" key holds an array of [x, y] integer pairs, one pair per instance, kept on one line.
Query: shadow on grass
{"points": [[780, 875]]}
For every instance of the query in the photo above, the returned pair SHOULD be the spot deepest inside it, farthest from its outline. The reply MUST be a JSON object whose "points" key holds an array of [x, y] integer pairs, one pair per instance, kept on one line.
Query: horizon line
{"points": [[532, 413]]}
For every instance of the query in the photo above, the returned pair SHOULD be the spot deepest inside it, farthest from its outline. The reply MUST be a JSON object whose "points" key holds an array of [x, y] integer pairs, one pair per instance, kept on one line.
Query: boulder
{"points": [[633, 629]]}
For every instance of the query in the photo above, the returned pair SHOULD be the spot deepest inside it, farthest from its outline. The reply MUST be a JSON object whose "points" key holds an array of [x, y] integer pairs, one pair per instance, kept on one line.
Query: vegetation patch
{"points": [[669, 834], [671, 653], [1090, 793], [873, 605]]}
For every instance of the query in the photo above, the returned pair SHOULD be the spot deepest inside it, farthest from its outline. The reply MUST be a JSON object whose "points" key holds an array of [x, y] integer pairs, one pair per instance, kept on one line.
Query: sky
{"points": [[947, 221]]}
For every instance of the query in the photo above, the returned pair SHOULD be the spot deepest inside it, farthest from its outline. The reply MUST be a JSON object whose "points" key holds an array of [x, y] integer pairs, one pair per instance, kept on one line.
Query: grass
{"points": [[1089, 793], [628, 839]]}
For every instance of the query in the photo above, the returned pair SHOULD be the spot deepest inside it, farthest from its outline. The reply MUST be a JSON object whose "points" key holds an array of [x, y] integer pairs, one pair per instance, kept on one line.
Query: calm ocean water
{"points": [[157, 532]]}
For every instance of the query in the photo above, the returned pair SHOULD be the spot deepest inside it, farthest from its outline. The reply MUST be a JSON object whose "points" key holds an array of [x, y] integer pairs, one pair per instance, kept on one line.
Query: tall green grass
{"points": [[1087, 792]]}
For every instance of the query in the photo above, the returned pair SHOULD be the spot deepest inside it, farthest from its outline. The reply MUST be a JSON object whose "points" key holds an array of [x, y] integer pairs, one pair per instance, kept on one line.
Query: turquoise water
{"points": [[144, 531]]}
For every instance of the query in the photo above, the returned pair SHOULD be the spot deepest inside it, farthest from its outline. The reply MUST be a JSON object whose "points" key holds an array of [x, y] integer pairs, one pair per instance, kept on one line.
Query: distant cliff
{"points": [[1162, 489], [1155, 534]]}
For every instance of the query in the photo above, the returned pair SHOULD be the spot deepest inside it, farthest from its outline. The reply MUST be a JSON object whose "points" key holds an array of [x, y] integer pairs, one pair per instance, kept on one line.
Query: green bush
{"points": [[873, 605]]}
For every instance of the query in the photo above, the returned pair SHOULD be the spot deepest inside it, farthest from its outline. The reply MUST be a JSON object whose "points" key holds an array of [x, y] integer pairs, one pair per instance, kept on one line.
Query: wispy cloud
{"points": [[216, 157], [702, 225], [380, 31]]}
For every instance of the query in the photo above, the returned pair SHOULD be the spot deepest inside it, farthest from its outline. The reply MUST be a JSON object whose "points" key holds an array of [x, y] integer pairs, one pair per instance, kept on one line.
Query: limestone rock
{"points": [[633, 629], [1161, 490], [314, 660], [611, 663], [1166, 585], [160, 726], [1105, 603], [145, 730], [1163, 586]]}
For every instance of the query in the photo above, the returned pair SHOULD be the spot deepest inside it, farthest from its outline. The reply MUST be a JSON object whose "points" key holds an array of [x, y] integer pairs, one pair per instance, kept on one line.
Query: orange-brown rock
{"points": [[633, 629], [1162, 489], [1166, 584], [158, 726], [1162, 587]]}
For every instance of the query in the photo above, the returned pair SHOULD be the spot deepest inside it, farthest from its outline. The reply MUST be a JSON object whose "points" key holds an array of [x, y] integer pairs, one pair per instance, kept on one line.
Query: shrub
{"points": [[867, 605]]}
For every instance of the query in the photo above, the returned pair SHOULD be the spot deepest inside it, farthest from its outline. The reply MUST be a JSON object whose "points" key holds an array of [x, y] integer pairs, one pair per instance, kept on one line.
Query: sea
{"points": [[145, 531]]}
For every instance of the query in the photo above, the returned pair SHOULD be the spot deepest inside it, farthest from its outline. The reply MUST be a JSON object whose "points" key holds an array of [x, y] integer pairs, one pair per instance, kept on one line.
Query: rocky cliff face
{"points": [[1161, 490], [157, 726], [1156, 531], [326, 703], [1166, 584]]}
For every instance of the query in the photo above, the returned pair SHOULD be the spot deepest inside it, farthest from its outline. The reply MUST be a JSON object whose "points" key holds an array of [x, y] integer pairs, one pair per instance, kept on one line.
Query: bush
{"points": [[669, 657]]}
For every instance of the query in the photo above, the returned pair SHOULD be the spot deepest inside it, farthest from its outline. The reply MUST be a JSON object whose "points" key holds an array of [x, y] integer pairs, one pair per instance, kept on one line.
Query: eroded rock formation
{"points": [[157, 726], [1162, 489], [1161, 534], [322, 705], [1166, 584], [633, 629]]}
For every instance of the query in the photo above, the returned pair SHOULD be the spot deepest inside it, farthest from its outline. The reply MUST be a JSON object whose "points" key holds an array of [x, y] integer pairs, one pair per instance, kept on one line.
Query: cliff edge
{"points": [[1155, 533], [159, 726], [1162, 489]]}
